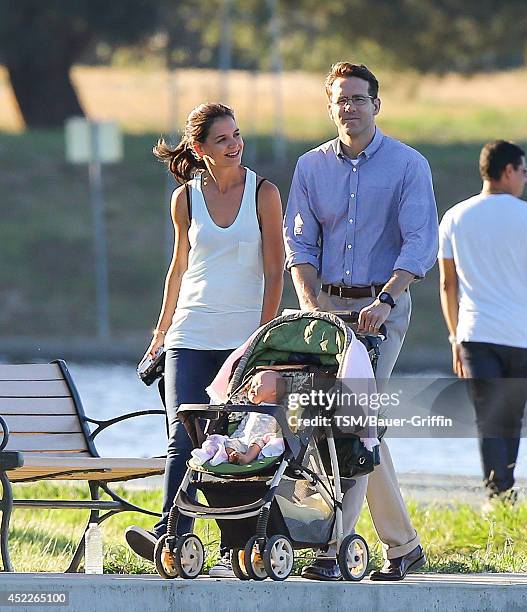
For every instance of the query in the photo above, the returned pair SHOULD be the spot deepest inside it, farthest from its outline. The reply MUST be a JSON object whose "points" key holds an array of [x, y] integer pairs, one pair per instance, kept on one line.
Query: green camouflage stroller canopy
{"points": [[319, 334]]}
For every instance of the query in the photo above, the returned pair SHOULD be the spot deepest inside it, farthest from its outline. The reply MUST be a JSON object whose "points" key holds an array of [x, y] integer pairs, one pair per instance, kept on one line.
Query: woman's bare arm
{"points": [[176, 269], [270, 217]]}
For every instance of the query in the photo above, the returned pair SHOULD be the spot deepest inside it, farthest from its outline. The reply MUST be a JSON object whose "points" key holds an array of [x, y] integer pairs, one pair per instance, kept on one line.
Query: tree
{"points": [[41, 40], [425, 35]]}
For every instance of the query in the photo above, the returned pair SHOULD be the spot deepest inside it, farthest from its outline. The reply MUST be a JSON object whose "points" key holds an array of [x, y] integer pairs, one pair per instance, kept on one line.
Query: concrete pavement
{"points": [[420, 592]]}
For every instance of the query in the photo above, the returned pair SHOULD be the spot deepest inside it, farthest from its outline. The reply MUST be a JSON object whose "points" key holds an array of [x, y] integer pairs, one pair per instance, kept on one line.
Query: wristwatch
{"points": [[386, 298]]}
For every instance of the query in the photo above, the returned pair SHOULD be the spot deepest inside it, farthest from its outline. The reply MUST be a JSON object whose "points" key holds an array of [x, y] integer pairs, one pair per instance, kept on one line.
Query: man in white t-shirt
{"points": [[483, 286]]}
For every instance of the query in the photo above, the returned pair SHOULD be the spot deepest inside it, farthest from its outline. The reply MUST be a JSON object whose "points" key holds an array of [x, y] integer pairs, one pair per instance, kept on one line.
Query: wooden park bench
{"points": [[46, 436]]}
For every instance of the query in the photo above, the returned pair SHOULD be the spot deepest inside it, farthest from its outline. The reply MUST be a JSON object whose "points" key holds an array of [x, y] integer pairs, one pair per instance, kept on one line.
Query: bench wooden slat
{"points": [[35, 460], [35, 388], [31, 371], [91, 474], [37, 405], [47, 442], [43, 424], [86, 468], [56, 453]]}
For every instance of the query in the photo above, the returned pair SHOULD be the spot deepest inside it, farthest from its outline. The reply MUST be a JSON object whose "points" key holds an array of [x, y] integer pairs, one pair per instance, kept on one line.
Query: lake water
{"points": [[110, 390]]}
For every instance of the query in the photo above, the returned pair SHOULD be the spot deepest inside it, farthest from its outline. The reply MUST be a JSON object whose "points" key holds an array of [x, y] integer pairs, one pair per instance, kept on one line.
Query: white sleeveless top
{"points": [[221, 295]]}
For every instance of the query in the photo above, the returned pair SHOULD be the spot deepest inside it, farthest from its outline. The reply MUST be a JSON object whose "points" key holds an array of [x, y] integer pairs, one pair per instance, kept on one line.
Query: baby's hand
{"points": [[234, 456]]}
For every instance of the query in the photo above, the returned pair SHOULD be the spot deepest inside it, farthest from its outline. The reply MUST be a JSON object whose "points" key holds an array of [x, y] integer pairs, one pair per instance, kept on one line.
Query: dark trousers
{"points": [[188, 373], [498, 387]]}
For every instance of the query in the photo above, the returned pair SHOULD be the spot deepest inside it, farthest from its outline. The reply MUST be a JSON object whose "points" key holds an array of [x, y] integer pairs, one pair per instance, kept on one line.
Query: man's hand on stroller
{"points": [[372, 317]]}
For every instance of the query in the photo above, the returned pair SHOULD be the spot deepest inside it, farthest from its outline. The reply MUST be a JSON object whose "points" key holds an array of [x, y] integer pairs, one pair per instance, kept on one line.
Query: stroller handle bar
{"points": [[351, 318]]}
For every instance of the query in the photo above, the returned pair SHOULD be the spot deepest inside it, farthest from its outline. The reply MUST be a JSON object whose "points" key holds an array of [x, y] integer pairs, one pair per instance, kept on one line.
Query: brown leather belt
{"points": [[353, 292]]}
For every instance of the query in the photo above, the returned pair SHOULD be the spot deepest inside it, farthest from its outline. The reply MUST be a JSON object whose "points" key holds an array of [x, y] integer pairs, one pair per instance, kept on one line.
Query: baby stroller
{"points": [[273, 506]]}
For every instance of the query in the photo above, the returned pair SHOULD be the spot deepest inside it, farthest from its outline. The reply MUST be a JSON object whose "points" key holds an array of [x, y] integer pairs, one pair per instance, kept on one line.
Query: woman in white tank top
{"points": [[224, 281]]}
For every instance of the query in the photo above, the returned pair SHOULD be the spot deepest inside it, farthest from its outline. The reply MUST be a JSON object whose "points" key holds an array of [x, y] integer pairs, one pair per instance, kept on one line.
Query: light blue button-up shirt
{"points": [[356, 224]]}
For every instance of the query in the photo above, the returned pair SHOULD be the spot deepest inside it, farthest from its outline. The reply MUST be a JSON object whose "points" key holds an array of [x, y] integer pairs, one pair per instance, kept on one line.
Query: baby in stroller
{"points": [[255, 434]]}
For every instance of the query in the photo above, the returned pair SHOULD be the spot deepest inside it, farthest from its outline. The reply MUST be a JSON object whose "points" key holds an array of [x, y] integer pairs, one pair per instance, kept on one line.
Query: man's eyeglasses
{"points": [[358, 100]]}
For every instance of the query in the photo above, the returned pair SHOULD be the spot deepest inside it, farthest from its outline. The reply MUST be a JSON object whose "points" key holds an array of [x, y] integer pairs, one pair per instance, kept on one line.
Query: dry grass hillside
{"points": [[430, 109]]}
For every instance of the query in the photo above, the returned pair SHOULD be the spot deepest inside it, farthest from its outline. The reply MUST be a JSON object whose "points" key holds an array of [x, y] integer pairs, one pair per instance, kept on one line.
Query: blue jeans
{"points": [[188, 372], [499, 404]]}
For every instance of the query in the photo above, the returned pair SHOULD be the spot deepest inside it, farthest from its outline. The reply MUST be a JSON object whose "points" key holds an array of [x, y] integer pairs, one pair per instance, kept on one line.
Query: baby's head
{"points": [[266, 386]]}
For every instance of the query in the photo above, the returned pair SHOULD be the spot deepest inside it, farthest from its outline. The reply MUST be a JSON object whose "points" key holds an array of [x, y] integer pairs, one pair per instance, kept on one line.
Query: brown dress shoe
{"points": [[396, 569]]}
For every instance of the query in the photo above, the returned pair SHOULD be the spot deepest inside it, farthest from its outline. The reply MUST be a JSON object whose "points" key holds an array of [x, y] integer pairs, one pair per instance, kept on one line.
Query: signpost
{"points": [[279, 144], [96, 143]]}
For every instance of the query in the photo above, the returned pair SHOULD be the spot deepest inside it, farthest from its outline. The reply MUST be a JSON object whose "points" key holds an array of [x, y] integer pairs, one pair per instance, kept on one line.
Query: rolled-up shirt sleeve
{"points": [[417, 220], [302, 232]]}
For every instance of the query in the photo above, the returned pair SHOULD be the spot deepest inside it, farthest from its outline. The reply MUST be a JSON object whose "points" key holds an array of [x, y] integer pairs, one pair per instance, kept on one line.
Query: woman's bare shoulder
{"points": [[267, 190], [179, 204]]}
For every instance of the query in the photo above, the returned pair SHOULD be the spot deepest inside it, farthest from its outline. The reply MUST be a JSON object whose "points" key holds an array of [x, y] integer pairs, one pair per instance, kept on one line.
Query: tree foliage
{"points": [[41, 39], [425, 35]]}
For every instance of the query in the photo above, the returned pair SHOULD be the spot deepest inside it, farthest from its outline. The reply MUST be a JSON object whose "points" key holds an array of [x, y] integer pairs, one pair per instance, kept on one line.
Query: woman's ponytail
{"points": [[182, 160]]}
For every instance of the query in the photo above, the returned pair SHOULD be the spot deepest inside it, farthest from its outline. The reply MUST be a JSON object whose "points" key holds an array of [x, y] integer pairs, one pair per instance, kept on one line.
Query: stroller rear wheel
{"points": [[253, 558], [164, 559], [189, 556], [238, 564], [353, 557], [278, 557]]}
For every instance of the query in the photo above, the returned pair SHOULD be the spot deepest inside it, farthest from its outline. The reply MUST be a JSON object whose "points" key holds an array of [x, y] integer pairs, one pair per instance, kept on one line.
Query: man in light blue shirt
{"points": [[361, 218]]}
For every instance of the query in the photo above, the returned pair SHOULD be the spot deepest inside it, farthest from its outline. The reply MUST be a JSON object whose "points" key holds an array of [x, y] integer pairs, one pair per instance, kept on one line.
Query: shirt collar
{"points": [[368, 151]]}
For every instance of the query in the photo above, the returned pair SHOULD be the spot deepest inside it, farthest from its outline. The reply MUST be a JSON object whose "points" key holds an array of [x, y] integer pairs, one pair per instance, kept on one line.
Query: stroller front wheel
{"points": [[164, 559], [238, 564], [278, 557], [353, 557], [189, 556], [253, 559]]}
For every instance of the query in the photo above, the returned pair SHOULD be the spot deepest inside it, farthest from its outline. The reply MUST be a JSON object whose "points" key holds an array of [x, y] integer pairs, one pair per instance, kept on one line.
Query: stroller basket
{"points": [[186, 503], [297, 509]]}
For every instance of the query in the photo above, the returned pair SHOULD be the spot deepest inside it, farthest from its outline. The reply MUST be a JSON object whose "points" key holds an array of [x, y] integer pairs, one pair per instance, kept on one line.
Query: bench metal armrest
{"points": [[5, 434], [103, 424], [10, 460]]}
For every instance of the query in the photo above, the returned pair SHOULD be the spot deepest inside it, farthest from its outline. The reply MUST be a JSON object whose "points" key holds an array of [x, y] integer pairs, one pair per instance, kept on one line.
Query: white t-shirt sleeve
{"points": [[445, 238]]}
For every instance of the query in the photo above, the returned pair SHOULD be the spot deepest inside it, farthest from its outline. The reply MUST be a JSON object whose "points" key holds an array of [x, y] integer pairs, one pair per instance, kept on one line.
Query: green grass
{"points": [[457, 538], [435, 123]]}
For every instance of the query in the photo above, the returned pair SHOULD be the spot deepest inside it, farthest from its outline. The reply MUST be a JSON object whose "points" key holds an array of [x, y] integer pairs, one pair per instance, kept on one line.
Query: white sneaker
{"points": [[503, 499], [223, 568]]}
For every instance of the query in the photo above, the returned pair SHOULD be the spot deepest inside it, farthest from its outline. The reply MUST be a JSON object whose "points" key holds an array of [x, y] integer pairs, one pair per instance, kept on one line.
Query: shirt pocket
{"points": [[248, 254]]}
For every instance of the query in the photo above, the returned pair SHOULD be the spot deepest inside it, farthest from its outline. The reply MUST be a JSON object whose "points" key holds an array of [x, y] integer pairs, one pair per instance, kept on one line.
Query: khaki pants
{"points": [[386, 505]]}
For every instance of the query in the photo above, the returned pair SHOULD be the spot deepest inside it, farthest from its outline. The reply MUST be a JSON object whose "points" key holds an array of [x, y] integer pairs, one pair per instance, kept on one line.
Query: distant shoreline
{"points": [[131, 348]]}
